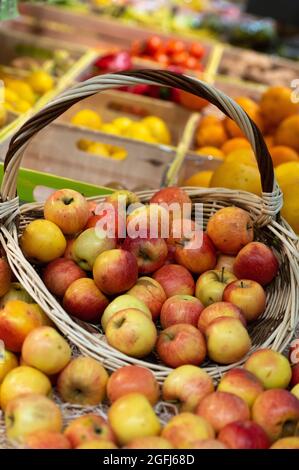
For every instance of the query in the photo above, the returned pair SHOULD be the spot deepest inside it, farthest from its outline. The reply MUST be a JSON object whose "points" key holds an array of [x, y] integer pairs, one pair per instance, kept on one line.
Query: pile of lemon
{"points": [[277, 116], [151, 129], [101, 149], [20, 94]]}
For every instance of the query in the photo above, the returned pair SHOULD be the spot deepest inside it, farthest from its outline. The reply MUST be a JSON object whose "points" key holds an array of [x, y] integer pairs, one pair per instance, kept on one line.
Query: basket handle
{"points": [[94, 85]]}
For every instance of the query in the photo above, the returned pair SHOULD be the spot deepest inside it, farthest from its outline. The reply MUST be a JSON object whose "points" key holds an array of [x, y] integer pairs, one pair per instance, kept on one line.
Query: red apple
{"points": [[211, 284], [148, 221], [207, 444], [230, 229], [248, 295], [5, 277], [295, 375], [196, 253], [128, 379], [85, 301], [115, 271], [151, 253], [244, 435], [226, 262], [109, 217], [175, 280], [171, 195], [216, 310], [242, 383], [277, 412], [222, 408], [185, 428], [257, 262], [150, 292], [181, 344], [68, 209], [180, 309], [89, 427], [59, 275], [46, 440]]}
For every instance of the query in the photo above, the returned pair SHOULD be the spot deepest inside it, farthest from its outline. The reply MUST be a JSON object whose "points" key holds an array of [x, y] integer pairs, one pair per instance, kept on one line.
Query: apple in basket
{"points": [[89, 245], [148, 220], [230, 229], [248, 295], [46, 440], [244, 435], [196, 252], [185, 428], [83, 381], [150, 292], [124, 197], [151, 442], [187, 385], [130, 379], [151, 253], [85, 301], [59, 275], [5, 277], [211, 284], [68, 209], [216, 310], [272, 368], [180, 309], [123, 302], [16, 292], [28, 414], [89, 427], [226, 262], [175, 200], [242, 383], [175, 280], [8, 362]]}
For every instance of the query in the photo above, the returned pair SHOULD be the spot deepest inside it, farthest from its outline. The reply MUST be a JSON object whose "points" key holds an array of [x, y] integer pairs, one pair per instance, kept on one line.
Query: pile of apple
{"points": [[202, 288]]}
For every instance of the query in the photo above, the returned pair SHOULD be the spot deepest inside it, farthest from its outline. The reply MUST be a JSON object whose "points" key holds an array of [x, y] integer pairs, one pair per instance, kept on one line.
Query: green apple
{"points": [[16, 292], [123, 302], [89, 245], [211, 284]]}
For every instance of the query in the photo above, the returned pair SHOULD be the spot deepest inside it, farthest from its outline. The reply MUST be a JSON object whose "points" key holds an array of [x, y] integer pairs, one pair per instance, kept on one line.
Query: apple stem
{"points": [[68, 200], [242, 284], [222, 274]]}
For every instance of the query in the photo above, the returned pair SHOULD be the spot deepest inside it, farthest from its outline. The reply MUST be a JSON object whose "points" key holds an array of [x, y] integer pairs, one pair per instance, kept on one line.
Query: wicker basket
{"points": [[274, 329]]}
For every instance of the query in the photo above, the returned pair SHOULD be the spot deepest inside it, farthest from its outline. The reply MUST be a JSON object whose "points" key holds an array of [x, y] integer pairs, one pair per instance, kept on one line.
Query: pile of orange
{"points": [[277, 116]]}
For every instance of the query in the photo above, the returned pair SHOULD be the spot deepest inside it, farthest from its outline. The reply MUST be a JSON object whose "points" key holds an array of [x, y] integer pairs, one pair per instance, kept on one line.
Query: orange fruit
{"points": [[202, 179], [213, 151], [288, 133], [253, 111], [283, 154], [234, 175], [290, 210], [287, 173], [276, 105], [269, 140], [211, 136], [235, 144], [191, 101], [209, 120], [242, 156]]}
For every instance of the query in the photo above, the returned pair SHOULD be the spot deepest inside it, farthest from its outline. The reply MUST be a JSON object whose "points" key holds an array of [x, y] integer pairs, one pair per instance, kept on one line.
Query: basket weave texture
{"points": [[276, 326]]}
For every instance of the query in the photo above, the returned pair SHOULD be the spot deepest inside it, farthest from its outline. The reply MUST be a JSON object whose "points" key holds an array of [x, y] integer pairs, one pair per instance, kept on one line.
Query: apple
{"points": [[227, 340], [5, 277], [244, 435], [175, 280], [180, 309], [185, 428], [89, 427], [46, 440], [256, 261], [68, 209], [97, 445], [150, 442], [131, 332], [151, 253], [150, 292], [91, 243], [122, 196], [242, 383], [148, 221], [109, 217], [222, 408], [295, 375], [115, 271], [132, 416], [181, 344], [46, 350], [123, 302], [68, 253], [42, 241], [295, 391], [29, 414], [196, 253], [207, 444], [211, 284], [170, 195], [226, 262], [188, 385], [23, 380], [83, 382], [59, 275], [85, 301], [277, 412], [216, 310], [16, 292], [41, 315], [17, 319], [286, 443], [230, 229], [248, 295], [128, 379], [8, 361], [270, 367]]}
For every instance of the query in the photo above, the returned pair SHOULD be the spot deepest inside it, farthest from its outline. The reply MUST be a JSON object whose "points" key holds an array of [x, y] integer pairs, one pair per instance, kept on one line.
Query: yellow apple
{"points": [[271, 367], [42, 241], [121, 303], [8, 362], [185, 428], [97, 445]]}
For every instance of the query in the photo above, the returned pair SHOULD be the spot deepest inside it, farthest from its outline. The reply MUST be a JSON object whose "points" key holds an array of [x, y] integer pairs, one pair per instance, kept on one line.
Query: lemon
{"points": [[290, 210], [87, 118], [40, 81], [158, 129], [3, 115], [122, 123], [244, 155], [234, 175], [97, 148], [110, 129], [22, 106], [10, 96], [202, 179], [23, 90], [287, 173], [118, 153], [139, 131], [83, 144]]}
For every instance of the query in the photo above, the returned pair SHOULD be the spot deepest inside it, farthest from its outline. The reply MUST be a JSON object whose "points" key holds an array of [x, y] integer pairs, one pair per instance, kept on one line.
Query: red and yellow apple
{"points": [[226, 262], [89, 427], [180, 309], [242, 383], [151, 253], [270, 367], [196, 253], [211, 284], [170, 195], [150, 292], [248, 295], [216, 310], [148, 221], [256, 261], [16, 292], [175, 280], [46, 440], [122, 302], [84, 300], [185, 428], [244, 435], [89, 245], [150, 442], [59, 275]]}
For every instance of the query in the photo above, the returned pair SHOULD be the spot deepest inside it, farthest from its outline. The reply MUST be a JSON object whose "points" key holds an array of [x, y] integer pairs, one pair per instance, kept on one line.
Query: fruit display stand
{"points": [[274, 328]]}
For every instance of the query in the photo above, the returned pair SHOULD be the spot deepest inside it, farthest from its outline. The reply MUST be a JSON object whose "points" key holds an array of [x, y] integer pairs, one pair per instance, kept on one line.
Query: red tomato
{"points": [[180, 58], [153, 44], [174, 46], [162, 58], [197, 50]]}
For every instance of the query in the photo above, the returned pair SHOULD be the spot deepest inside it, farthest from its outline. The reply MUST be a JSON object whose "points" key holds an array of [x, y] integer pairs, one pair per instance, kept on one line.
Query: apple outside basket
{"points": [[276, 326]]}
